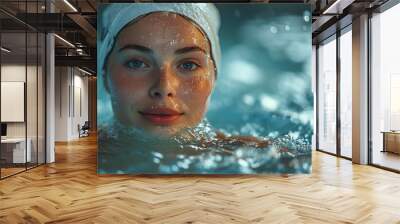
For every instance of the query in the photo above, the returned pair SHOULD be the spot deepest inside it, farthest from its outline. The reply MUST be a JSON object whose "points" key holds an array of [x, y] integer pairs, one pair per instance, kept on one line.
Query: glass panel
{"points": [[346, 94], [386, 89], [31, 100], [13, 87], [327, 96], [32, 88], [23, 87]]}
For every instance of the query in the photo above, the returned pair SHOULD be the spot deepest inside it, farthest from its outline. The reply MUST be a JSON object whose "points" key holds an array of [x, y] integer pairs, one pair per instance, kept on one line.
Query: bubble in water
{"points": [[243, 163], [273, 29], [268, 102], [156, 160], [248, 99], [306, 16], [158, 155]]}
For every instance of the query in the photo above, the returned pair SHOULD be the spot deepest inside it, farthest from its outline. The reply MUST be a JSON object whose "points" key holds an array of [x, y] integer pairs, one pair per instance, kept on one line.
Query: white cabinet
{"points": [[18, 149]]}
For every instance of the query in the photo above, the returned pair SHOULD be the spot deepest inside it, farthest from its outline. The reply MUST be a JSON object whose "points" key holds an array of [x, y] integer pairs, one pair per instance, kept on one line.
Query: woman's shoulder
{"points": [[243, 140]]}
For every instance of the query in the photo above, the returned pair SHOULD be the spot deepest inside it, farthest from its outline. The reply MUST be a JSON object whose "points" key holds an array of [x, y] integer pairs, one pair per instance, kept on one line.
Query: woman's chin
{"points": [[163, 132]]}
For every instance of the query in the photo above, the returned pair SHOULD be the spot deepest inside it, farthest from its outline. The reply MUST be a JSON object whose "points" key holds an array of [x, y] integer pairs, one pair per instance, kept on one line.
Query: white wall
{"points": [[12, 73], [80, 115], [71, 93], [13, 101], [61, 103], [16, 72]]}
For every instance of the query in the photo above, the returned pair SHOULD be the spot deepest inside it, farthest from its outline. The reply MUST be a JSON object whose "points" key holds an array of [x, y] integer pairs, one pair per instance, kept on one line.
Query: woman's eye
{"points": [[136, 64], [188, 66]]}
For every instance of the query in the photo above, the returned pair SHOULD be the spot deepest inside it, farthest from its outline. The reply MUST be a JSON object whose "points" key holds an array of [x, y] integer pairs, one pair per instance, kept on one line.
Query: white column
{"points": [[360, 90], [50, 94]]}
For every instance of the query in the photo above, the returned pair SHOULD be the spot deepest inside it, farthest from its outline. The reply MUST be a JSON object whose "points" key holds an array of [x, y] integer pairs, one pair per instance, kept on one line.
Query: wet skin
{"points": [[160, 79]]}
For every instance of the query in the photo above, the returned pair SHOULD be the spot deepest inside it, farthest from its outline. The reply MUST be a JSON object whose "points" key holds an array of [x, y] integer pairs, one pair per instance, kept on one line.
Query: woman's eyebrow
{"points": [[189, 49], [136, 47]]}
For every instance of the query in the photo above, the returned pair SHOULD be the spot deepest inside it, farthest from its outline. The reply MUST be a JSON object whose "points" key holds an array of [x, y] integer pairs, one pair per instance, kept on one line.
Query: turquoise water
{"points": [[126, 151], [263, 90]]}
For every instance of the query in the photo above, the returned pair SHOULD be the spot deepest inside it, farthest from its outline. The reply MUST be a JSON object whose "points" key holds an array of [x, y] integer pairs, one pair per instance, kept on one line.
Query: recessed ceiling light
{"points": [[5, 50], [337, 7], [70, 5], [64, 40], [84, 71]]}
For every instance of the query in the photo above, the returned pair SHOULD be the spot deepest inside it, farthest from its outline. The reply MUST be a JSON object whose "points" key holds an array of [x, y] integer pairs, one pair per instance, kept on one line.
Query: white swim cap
{"points": [[116, 16]]}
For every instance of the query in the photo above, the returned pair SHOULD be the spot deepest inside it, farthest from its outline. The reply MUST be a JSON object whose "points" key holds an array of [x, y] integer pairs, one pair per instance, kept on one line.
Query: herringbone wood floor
{"points": [[70, 191]]}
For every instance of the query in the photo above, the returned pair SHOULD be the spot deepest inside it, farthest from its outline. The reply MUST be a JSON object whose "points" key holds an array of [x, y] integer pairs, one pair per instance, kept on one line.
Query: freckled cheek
{"points": [[127, 87], [196, 91]]}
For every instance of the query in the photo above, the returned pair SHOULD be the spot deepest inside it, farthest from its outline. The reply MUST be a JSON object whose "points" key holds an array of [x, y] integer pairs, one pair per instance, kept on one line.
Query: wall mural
{"points": [[201, 88]]}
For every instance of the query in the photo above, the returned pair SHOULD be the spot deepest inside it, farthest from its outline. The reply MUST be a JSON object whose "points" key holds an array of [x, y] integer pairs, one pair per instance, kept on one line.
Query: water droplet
{"points": [[306, 15], [156, 160], [273, 29]]}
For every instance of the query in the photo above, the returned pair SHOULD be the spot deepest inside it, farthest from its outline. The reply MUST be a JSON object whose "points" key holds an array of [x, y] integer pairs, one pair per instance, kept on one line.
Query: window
{"points": [[346, 93], [385, 89], [327, 96], [23, 77]]}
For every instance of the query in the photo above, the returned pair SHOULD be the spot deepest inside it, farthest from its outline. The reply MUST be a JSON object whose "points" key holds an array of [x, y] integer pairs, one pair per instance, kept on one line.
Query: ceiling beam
{"points": [[337, 6], [86, 27], [81, 61]]}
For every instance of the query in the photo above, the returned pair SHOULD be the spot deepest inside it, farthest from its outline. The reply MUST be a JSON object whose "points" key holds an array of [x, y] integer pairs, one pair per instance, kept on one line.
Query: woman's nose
{"points": [[164, 86]]}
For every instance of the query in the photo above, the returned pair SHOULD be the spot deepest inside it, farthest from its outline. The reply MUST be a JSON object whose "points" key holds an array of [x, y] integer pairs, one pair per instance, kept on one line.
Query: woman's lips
{"points": [[161, 116]]}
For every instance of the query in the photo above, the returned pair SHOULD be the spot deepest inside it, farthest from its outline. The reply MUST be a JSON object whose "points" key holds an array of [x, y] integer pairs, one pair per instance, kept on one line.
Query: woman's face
{"points": [[160, 74]]}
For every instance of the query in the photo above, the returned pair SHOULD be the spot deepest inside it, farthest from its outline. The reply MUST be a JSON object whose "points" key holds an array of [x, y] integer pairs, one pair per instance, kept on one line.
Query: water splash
{"points": [[200, 150]]}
